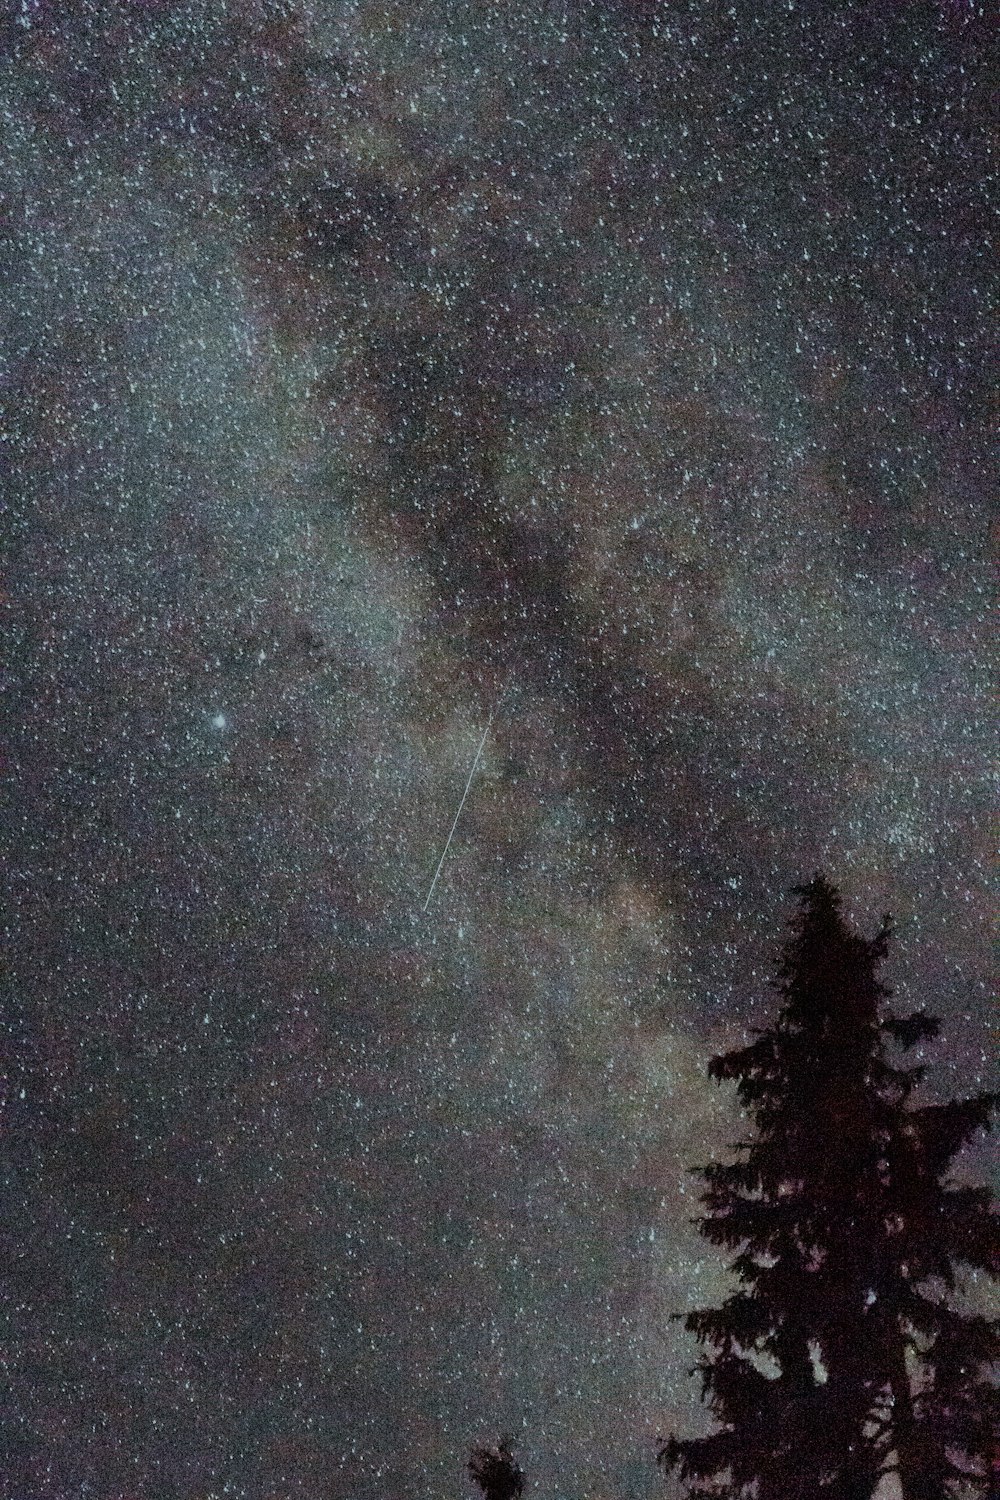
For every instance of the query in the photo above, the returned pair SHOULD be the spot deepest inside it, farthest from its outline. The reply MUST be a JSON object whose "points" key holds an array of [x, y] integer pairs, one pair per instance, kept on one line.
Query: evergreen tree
{"points": [[843, 1354], [496, 1473]]}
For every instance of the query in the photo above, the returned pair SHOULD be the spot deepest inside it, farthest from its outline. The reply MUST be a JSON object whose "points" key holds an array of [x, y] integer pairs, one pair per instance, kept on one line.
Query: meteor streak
{"points": [[472, 772]]}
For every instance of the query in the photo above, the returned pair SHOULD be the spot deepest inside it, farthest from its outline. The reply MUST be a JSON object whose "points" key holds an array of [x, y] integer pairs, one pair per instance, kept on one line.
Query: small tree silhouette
{"points": [[495, 1472]]}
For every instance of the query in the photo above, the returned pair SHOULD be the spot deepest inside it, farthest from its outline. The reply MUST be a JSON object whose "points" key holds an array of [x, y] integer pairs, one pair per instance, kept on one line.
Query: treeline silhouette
{"points": [[847, 1352]]}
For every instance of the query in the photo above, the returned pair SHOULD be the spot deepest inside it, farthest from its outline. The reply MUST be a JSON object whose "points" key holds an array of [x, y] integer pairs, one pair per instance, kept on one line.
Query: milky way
{"points": [[619, 371]]}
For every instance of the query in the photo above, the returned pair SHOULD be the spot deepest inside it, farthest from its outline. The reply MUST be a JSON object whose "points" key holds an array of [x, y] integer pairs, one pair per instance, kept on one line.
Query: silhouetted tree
{"points": [[841, 1355], [496, 1473]]}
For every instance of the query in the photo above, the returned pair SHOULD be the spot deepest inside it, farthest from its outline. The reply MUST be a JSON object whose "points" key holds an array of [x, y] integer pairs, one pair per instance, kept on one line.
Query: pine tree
{"points": [[843, 1353], [496, 1473]]}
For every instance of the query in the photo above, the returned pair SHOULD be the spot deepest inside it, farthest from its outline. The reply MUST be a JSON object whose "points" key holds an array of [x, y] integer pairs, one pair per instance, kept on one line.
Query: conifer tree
{"points": [[844, 1352], [496, 1473]]}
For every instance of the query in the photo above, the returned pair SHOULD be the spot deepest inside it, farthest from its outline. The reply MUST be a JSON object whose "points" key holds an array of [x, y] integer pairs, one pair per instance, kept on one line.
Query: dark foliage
{"points": [[496, 1473], [843, 1353]]}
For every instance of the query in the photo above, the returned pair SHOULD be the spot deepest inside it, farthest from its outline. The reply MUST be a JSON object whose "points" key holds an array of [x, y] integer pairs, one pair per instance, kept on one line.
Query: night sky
{"points": [[620, 371]]}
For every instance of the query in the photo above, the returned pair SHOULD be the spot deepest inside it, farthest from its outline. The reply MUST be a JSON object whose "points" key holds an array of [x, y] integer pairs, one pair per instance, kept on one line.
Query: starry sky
{"points": [[612, 378]]}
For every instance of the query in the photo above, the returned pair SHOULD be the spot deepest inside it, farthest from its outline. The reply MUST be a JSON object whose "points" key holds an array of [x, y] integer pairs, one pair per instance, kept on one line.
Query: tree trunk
{"points": [[914, 1482]]}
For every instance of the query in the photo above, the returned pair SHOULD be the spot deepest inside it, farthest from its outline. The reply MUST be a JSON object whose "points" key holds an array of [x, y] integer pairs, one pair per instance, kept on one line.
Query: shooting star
{"points": [[472, 772]]}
